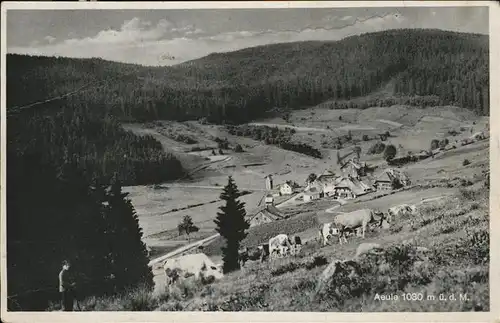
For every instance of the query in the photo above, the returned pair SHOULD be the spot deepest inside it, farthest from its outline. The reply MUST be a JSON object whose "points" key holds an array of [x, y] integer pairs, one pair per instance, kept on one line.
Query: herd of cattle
{"points": [[200, 266]]}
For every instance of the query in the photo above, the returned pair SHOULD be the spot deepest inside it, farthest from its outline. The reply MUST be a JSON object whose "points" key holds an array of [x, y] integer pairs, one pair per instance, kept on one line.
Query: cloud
{"points": [[49, 39], [132, 31], [163, 43]]}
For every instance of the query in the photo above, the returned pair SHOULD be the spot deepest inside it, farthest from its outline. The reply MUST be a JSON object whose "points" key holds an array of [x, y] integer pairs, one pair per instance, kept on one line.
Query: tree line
{"points": [[274, 136], [438, 67], [95, 141]]}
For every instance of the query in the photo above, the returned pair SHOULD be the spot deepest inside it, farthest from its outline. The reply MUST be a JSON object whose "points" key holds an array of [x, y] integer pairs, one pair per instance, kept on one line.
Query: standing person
{"points": [[66, 287]]}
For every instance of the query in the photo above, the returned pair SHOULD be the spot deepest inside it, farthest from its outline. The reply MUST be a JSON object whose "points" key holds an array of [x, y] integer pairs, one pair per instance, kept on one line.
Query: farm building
{"points": [[266, 214], [387, 179], [383, 182], [350, 187], [354, 168], [286, 188], [324, 183], [312, 193]]}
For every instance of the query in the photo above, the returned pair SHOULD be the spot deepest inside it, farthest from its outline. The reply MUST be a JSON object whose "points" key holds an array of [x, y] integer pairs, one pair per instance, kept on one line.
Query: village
{"points": [[352, 179]]}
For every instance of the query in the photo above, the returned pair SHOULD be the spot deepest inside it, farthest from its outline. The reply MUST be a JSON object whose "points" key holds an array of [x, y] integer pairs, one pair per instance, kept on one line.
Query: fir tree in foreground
{"points": [[126, 242], [231, 225]]}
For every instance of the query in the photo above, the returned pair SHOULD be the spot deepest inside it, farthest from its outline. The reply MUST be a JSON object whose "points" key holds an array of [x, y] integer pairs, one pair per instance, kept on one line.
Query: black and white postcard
{"points": [[276, 161]]}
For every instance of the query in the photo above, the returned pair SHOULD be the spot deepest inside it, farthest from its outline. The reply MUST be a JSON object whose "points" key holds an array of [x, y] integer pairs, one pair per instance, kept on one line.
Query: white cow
{"points": [[401, 210], [328, 230], [353, 220], [197, 265]]}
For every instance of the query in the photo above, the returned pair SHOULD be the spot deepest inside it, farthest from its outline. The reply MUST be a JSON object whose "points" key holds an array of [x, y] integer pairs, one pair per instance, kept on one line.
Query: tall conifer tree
{"points": [[231, 225]]}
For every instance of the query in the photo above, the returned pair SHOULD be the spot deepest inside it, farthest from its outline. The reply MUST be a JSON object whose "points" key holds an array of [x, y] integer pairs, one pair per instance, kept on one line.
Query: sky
{"points": [[168, 37]]}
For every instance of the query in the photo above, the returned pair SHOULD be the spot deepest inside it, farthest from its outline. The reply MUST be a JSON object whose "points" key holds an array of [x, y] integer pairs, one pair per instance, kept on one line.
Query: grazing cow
{"points": [[356, 219], [296, 245], [279, 245], [400, 210], [326, 231], [197, 265]]}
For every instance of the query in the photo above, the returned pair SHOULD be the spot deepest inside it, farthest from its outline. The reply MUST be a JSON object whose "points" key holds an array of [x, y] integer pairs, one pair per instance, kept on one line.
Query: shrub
{"points": [[465, 162], [376, 148], [238, 148], [317, 261], [444, 142], [289, 267], [389, 152], [365, 138], [468, 194], [434, 144]]}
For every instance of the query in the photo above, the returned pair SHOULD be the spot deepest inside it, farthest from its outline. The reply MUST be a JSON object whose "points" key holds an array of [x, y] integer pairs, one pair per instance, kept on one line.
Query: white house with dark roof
{"points": [[286, 188], [350, 188], [383, 182], [312, 193]]}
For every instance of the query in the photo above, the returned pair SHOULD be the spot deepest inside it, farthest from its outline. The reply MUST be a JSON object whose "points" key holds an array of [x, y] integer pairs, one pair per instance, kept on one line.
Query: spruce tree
{"points": [[129, 256], [231, 225]]}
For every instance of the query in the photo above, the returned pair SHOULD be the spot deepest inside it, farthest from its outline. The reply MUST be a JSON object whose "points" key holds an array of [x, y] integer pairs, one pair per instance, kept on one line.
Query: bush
{"points": [[443, 143], [376, 148], [365, 138], [434, 144], [465, 162], [390, 152]]}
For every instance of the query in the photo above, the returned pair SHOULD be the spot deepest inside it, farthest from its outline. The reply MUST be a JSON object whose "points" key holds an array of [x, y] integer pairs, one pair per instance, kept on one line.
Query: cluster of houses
{"points": [[348, 184]]}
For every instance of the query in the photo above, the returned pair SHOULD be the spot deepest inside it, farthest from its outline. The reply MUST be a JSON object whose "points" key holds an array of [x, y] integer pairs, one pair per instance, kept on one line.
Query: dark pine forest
{"points": [[444, 67], [68, 158]]}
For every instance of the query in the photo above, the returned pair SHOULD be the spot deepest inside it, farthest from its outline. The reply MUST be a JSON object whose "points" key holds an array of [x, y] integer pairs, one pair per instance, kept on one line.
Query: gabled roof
{"points": [[270, 211], [383, 177], [327, 173], [354, 185], [312, 190], [326, 178]]}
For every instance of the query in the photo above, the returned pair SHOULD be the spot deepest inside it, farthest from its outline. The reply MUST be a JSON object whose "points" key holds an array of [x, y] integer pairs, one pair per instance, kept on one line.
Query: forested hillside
{"points": [[64, 133], [66, 165], [445, 67]]}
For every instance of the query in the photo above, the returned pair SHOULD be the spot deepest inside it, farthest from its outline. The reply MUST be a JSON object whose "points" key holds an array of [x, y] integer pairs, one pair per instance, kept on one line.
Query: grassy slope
{"points": [[458, 263]]}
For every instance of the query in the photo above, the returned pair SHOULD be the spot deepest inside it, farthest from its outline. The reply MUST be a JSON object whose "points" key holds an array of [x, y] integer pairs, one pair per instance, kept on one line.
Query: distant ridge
{"points": [[239, 86]]}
